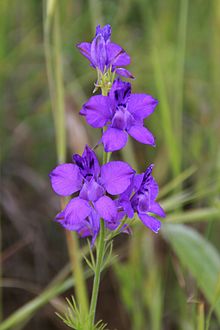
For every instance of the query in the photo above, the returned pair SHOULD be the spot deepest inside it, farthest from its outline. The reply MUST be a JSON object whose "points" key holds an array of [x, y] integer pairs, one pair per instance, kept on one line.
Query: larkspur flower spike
{"points": [[111, 191], [106, 57]]}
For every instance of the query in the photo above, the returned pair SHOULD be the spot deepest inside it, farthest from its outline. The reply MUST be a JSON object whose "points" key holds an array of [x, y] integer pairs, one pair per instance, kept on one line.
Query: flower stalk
{"points": [[103, 198], [100, 249]]}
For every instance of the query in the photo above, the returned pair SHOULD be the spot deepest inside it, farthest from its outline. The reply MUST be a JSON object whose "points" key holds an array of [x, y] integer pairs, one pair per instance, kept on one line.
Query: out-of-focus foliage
{"points": [[175, 51]]}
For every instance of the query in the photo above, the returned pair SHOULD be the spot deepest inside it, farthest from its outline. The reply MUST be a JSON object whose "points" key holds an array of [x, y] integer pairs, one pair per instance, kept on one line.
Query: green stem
{"points": [[100, 251], [98, 269], [1, 300]]}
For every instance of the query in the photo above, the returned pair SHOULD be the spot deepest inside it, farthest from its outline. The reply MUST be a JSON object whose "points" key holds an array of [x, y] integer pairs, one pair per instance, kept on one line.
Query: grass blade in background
{"points": [[199, 256], [179, 80]]}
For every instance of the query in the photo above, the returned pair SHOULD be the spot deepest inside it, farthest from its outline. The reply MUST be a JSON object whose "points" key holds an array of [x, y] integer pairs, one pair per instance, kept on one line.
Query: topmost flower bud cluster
{"points": [[106, 57], [113, 191]]}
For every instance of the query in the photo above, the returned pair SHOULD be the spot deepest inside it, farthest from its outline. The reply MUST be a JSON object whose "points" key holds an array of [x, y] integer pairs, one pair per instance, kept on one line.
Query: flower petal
{"points": [[137, 181], [106, 208], [112, 225], [76, 212], [91, 190], [124, 73], [157, 209], [154, 189], [105, 31], [126, 204], [114, 139], [150, 222], [91, 226], [85, 49], [142, 134], [88, 163], [97, 111], [116, 176], [98, 52], [117, 55], [143, 203], [95, 224], [66, 179], [141, 105]]}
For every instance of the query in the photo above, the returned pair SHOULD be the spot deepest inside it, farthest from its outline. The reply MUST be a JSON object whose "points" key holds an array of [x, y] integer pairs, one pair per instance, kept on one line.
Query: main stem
{"points": [[98, 270], [100, 250]]}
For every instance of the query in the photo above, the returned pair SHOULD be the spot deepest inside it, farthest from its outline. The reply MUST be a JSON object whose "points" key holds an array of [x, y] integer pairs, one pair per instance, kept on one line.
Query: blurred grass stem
{"points": [[54, 64]]}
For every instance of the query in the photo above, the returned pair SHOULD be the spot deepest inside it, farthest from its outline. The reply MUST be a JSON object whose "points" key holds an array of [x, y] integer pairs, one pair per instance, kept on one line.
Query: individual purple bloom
{"points": [[122, 113], [104, 54], [90, 183], [140, 197]]}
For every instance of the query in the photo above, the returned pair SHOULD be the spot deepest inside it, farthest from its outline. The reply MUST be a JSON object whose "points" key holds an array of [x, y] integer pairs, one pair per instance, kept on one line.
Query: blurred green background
{"points": [[169, 281]]}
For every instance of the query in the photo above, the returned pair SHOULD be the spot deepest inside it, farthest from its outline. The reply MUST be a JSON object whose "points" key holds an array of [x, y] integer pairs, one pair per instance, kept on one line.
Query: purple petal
{"points": [[98, 52], [106, 208], [116, 177], [114, 139], [143, 203], [154, 189], [148, 172], [105, 31], [66, 179], [60, 216], [157, 209], [142, 134], [88, 163], [150, 222], [117, 55], [95, 224], [112, 225], [75, 212], [91, 191], [85, 50], [120, 92], [141, 105], [90, 227], [126, 204], [97, 111], [133, 187], [137, 181], [124, 73]]}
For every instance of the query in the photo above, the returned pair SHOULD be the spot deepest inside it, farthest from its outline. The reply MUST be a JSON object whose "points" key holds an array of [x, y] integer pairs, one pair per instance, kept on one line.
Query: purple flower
{"points": [[123, 113], [91, 183], [104, 54], [140, 197]]}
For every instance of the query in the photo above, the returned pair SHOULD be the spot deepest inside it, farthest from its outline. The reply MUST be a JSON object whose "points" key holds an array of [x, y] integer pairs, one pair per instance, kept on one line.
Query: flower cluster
{"points": [[113, 191], [104, 54], [90, 183]]}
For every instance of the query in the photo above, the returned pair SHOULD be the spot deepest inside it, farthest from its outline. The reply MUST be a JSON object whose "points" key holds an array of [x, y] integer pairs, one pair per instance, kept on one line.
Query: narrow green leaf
{"points": [[203, 214]]}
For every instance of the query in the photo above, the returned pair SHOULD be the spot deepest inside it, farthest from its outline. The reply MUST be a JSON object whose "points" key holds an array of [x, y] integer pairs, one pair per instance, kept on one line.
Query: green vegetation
{"points": [[169, 281]]}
